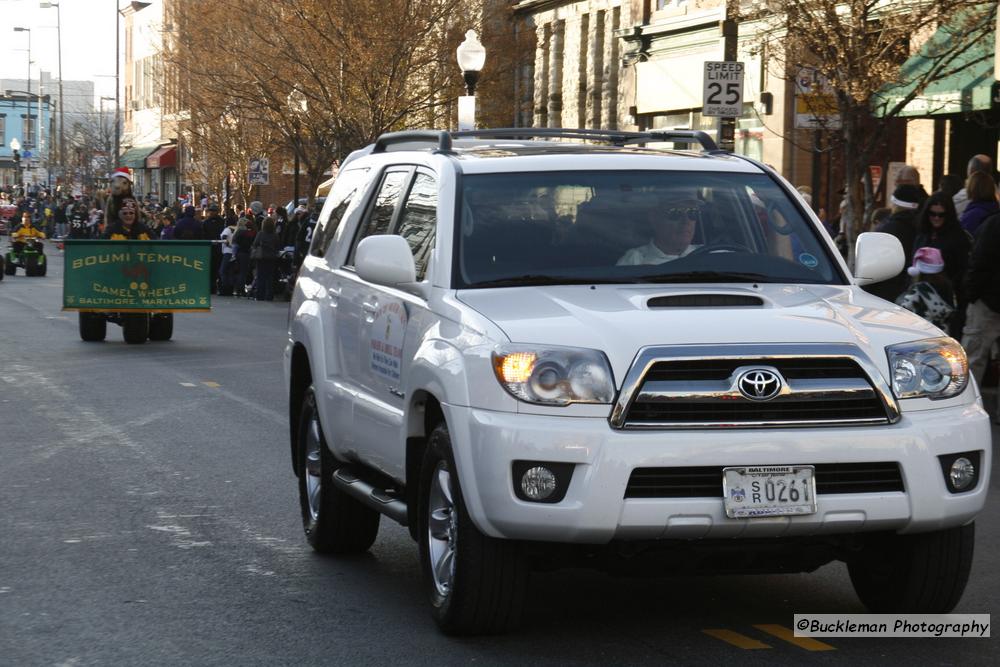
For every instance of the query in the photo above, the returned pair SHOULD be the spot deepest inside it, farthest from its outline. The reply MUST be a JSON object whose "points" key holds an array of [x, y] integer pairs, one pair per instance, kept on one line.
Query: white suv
{"points": [[530, 349]]}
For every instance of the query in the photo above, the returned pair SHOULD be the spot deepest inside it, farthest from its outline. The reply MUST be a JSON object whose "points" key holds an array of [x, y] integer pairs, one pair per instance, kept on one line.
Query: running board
{"points": [[369, 495]]}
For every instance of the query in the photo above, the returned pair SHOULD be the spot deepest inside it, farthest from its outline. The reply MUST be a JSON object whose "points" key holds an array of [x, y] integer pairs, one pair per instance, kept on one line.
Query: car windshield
{"points": [[586, 227]]}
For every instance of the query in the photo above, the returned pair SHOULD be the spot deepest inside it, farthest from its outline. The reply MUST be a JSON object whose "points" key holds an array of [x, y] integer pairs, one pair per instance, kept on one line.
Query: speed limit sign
{"points": [[723, 92]]}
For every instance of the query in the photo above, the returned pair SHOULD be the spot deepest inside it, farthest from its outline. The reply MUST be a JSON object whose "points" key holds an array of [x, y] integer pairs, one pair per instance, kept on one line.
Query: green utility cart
{"points": [[138, 285]]}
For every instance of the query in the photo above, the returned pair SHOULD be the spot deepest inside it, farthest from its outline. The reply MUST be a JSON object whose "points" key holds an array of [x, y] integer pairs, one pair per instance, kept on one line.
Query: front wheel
{"points": [[135, 328], [476, 582], [161, 326], [333, 521], [93, 327], [924, 573]]}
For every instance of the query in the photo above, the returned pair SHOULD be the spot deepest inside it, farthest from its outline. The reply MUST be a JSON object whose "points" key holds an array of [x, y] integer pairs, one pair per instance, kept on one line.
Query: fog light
{"points": [[962, 473], [538, 483]]}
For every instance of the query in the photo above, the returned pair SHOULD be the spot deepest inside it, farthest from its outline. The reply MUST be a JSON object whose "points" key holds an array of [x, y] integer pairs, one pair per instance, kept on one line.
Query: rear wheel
{"points": [[476, 583], [161, 326], [9, 267], [333, 521], [93, 327], [924, 573], [135, 328]]}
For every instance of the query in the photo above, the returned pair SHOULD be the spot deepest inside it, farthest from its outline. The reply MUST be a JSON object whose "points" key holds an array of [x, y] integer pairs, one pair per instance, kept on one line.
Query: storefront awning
{"points": [[135, 157], [966, 88], [164, 157]]}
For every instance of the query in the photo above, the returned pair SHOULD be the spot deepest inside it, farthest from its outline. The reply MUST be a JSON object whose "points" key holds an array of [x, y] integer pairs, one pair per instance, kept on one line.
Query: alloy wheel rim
{"points": [[314, 467], [442, 529]]}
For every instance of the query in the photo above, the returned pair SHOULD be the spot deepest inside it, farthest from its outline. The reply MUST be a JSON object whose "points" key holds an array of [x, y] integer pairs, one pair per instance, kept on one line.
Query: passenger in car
{"points": [[673, 228]]}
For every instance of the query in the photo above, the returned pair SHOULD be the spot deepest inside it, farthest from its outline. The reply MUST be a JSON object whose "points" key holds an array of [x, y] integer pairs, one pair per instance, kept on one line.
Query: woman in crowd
{"points": [[265, 254], [938, 227], [982, 193], [242, 243]]}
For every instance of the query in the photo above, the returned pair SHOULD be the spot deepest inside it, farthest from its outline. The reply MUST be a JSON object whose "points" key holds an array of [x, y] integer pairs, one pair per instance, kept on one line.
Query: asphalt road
{"points": [[148, 516]]}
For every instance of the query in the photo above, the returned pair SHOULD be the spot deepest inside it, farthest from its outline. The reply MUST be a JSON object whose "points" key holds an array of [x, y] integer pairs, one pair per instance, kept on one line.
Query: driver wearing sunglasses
{"points": [[673, 227], [128, 226]]}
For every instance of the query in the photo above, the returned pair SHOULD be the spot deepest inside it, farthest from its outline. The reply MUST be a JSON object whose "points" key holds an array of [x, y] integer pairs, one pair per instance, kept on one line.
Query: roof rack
{"points": [[439, 137], [443, 139], [614, 137]]}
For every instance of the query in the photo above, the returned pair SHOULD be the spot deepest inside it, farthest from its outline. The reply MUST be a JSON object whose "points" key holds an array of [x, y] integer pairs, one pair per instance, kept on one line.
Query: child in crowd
{"points": [[931, 296]]}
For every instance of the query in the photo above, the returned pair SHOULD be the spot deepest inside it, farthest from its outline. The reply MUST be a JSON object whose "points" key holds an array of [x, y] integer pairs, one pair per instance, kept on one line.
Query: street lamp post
{"points": [[299, 105], [27, 135], [62, 135], [15, 146], [471, 58]]}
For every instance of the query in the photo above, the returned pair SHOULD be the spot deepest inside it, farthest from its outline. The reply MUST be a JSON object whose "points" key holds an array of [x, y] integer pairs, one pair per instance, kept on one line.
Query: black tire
{"points": [[924, 573], [161, 326], [3, 266], [334, 523], [489, 575], [9, 268], [93, 327], [42, 268], [135, 328]]}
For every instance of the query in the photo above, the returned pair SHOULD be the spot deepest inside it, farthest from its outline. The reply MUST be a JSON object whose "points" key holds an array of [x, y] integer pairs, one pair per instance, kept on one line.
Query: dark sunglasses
{"points": [[677, 213]]}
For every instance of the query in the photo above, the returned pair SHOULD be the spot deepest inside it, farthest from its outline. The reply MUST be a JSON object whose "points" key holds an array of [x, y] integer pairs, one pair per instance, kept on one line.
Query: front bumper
{"points": [[595, 510]]}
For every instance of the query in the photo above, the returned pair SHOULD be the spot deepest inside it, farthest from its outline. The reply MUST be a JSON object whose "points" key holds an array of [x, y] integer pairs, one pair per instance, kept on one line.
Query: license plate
{"points": [[756, 491]]}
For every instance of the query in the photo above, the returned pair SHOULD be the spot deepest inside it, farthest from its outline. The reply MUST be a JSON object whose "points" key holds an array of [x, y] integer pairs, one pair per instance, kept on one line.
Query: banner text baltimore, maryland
{"points": [[137, 275]]}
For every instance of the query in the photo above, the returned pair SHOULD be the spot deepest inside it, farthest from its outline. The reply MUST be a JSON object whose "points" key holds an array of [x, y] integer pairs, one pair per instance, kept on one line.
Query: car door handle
{"points": [[334, 294], [369, 309]]}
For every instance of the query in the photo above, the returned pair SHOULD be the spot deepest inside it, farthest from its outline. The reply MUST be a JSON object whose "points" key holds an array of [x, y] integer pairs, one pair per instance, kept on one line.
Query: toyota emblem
{"points": [[759, 384]]}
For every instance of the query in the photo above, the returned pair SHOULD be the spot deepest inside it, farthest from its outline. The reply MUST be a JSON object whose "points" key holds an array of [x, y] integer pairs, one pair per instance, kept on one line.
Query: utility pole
{"points": [[730, 33]]}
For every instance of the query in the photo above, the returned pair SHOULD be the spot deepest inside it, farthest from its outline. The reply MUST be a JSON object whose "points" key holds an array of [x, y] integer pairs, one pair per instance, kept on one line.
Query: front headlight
{"points": [[554, 375], [935, 368]]}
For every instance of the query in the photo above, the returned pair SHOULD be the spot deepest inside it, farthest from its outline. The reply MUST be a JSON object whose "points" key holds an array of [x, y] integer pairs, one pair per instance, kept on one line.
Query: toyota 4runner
{"points": [[530, 346]]}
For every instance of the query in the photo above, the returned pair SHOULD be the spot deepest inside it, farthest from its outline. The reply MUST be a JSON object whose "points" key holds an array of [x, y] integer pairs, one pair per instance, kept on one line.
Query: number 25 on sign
{"points": [[723, 91]]}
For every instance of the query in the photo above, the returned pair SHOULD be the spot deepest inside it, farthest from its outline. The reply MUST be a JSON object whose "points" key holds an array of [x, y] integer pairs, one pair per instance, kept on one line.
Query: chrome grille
{"points": [[701, 387]]}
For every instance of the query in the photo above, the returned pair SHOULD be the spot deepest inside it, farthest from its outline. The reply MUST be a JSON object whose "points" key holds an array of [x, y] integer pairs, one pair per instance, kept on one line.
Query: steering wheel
{"points": [[711, 248]]}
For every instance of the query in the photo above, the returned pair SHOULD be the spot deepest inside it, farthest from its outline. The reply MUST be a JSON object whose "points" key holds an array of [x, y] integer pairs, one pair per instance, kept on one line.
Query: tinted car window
{"points": [[380, 216], [418, 220], [343, 193]]}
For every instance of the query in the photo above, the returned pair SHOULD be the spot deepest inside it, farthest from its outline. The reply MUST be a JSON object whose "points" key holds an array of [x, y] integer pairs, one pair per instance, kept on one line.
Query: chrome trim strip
{"points": [[723, 391], [759, 353]]}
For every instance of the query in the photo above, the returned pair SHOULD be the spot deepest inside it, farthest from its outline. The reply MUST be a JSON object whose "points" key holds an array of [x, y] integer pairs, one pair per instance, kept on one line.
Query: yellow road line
{"points": [[213, 385], [783, 633], [735, 638]]}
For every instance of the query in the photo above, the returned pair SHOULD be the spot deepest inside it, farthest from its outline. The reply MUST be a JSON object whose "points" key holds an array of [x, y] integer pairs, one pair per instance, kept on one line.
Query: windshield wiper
{"points": [[541, 279], [707, 277]]}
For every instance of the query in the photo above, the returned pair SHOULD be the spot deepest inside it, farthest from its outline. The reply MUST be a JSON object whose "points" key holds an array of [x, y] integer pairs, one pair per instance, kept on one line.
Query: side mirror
{"points": [[877, 257], [385, 259]]}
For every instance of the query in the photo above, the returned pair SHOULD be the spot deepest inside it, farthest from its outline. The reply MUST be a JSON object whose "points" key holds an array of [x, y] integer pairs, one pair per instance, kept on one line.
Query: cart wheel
{"points": [[135, 328], [161, 326], [93, 327]]}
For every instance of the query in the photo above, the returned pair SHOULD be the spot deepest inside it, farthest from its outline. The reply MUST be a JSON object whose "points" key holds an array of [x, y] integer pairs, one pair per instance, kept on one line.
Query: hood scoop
{"points": [[705, 301]]}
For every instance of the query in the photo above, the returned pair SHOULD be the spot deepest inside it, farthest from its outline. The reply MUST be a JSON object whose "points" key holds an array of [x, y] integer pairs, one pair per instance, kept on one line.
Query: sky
{"points": [[88, 41]]}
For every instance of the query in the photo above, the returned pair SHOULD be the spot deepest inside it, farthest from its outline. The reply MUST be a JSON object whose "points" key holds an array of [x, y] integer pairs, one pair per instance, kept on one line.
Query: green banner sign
{"points": [[153, 276]]}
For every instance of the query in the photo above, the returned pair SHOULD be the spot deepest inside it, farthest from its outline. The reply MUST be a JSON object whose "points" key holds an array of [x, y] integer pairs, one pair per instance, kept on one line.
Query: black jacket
{"points": [[954, 244], [211, 228], [983, 279], [902, 225]]}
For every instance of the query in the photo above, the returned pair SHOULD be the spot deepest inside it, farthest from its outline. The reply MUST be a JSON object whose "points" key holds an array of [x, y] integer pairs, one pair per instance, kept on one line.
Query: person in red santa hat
{"points": [[121, 189]]}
